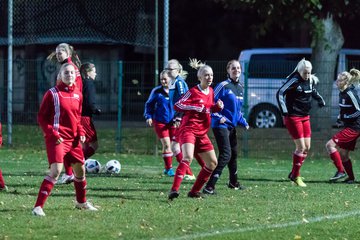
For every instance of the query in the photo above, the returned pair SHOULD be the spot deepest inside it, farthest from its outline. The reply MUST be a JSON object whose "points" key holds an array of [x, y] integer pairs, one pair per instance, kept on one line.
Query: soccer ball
{"points": [[92, 166], [113, 166]]}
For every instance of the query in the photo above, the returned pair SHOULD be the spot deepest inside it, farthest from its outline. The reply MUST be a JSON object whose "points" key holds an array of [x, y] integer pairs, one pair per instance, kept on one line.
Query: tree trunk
{"points": [[328, 39]]}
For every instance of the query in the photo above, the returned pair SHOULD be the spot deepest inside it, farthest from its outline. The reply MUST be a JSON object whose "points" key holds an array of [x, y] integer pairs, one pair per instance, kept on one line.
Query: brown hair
{"points": [[85, 68]]}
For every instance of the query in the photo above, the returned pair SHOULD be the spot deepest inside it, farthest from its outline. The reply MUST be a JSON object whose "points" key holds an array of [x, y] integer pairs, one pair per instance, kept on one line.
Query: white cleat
{"points": [[5, 189], [189, 177], [66, 179], [38, 211], [86, 206]]}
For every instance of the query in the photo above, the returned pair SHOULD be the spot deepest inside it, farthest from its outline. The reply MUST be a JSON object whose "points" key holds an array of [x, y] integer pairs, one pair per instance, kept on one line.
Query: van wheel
{"points": [[265, 116]]}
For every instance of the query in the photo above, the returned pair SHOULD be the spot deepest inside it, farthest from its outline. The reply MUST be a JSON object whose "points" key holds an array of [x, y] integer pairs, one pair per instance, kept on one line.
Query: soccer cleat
{"points": [[209, 190], [337, 176], [38, 211], [173, 194], [66, 179], [349, 181], [189, 177], [85, 206], [299, 182], [195, 195], [170, 172], [236, 186], [5, 189]]}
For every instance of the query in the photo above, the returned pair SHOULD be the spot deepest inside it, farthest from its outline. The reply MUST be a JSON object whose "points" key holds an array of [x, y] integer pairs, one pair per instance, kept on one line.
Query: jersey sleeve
{"points": [[44, 116]]}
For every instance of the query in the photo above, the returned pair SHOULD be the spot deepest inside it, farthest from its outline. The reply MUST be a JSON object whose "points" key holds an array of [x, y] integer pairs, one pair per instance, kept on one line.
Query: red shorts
{"points": [[202, 143], [164, 130], [90, 132], [68, 150], [298, 127], [346, 138]]}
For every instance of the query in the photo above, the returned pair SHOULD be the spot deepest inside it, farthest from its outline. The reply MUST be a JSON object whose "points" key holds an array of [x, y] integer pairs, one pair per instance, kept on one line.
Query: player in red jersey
{"points": [[59, 117], [340, 145], [65, 53], [197, 104]]}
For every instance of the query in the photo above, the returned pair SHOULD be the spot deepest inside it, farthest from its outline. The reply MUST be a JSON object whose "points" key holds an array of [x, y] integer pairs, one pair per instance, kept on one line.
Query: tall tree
{"points": [[324, 19]]}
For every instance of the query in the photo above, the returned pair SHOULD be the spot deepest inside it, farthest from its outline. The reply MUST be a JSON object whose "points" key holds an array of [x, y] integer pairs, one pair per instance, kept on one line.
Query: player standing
{"points": [[89, 107], [294, 100], [59, 117], [65, 53], [159, 113], [224, 125], [197, 104], [345, 140]]}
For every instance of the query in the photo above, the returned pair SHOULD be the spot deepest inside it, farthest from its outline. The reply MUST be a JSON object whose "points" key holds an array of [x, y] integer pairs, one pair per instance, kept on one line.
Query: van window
{"points": [[273, 65], [352, 61]]}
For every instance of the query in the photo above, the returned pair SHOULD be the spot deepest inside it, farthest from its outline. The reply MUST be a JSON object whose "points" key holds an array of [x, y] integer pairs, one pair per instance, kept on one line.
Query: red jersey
{"points": [[197, 107], [60, 112]]}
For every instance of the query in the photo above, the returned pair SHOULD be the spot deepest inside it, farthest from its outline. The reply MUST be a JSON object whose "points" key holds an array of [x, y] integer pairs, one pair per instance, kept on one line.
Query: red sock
{"points": [[178, 156], [45, 189], [200, 160], [298, 159], [68, 168], [80, 189], [201, 179], [336, 158], [88, 152], [349, 169], [179, 175], [167, 156], [2, 182]]}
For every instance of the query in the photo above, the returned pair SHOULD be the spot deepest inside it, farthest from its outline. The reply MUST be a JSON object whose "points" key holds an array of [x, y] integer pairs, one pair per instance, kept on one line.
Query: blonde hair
{"points": [[197, 64], [69, 50], [302, 64], [351, 77], [179, 67], [231, 62]]}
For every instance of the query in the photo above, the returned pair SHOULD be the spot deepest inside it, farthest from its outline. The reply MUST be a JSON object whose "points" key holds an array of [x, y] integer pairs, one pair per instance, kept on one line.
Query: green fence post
{"points": [[119, 107]]}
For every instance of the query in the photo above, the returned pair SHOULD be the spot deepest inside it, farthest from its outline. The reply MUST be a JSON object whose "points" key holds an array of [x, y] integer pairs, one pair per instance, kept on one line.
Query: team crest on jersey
{"points": [[343, 101], [76, 96]]}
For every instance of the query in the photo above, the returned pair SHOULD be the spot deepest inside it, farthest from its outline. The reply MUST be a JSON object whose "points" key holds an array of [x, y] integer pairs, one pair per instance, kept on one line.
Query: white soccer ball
{"points": [[113, 166], [92, 166]]}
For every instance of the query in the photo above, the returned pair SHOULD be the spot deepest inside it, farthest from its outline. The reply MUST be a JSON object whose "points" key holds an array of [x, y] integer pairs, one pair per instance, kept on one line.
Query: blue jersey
{"points": [[158, 106], [231, 93], [177, 88]]}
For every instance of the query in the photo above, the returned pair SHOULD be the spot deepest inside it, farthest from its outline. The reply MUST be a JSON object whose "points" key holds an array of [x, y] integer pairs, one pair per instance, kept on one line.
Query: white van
{"points": [[265, 70]]}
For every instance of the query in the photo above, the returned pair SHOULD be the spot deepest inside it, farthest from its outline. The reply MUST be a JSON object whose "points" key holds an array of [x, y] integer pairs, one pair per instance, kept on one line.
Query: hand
{"points": [[60, 140], [247, 127], [321, 104], [97, 111], [82, 139], [177, 124], [222, 120], [220, 104], [149, 122]]}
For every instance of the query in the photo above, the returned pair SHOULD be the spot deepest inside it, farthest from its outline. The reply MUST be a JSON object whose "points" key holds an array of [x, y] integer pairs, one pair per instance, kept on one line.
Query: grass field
{"points": [[134, 205]]}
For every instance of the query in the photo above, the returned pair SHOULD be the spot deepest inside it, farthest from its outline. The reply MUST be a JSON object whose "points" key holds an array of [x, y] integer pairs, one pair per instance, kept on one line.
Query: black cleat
{"points": [[195, 195], [236, 186], [349, 181], [209, 191], [173, 194], [337, 176]]}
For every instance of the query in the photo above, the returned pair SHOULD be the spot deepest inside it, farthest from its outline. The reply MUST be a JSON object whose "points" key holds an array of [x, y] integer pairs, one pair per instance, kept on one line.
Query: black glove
{"points": [[321, 104], [97, 111]]}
